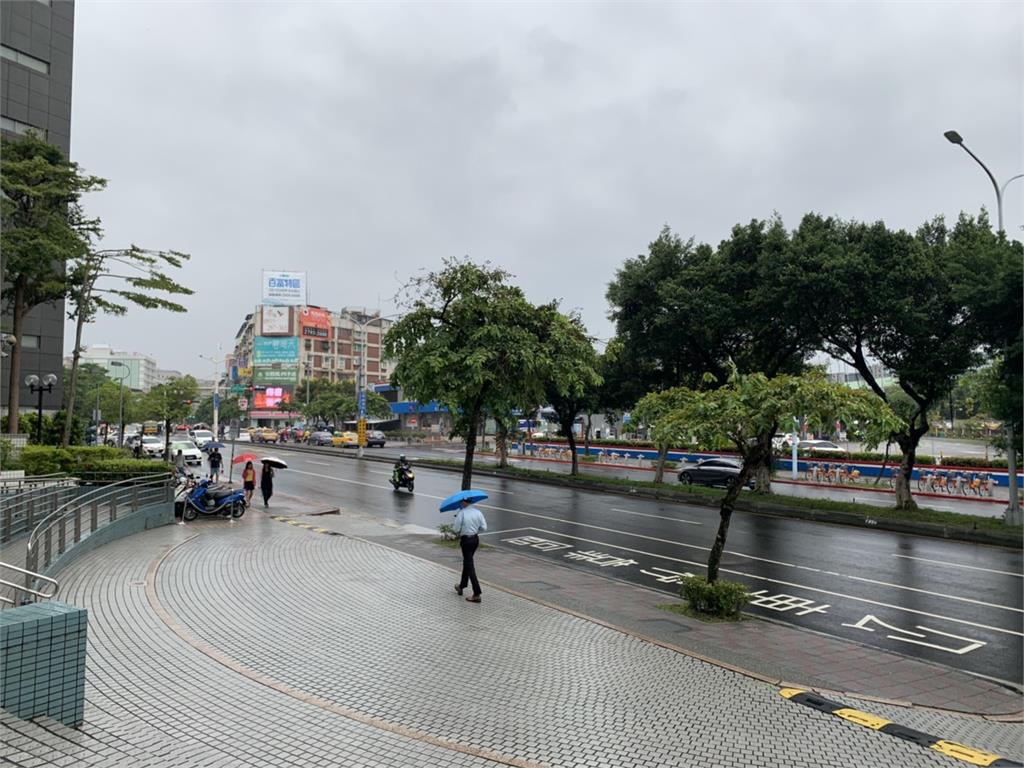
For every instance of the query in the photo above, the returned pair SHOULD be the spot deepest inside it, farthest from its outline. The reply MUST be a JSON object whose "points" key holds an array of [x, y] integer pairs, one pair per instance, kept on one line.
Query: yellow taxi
{"points": [[345, 440], [265, 435]]}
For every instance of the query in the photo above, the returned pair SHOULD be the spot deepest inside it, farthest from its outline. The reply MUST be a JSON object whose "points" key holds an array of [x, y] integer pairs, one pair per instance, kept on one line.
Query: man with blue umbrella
{"points": [[469, 522]]}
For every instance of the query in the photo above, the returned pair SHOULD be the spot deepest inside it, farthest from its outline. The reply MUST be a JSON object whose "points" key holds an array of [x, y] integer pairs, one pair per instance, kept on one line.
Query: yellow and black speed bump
{"points": [[307, 526], [875, 723]]}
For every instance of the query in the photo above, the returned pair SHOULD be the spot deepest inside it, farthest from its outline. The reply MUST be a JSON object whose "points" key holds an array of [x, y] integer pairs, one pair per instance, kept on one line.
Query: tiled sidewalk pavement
{"points": [[311, 626]]}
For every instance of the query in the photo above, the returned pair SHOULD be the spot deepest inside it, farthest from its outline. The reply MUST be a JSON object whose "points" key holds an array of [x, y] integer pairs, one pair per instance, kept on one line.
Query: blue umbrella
{"points": [[213, 444], [454, 501]]}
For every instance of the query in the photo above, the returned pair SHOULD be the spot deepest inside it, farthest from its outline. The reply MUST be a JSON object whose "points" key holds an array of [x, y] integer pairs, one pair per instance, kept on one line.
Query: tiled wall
{"points": [[42, 661]]}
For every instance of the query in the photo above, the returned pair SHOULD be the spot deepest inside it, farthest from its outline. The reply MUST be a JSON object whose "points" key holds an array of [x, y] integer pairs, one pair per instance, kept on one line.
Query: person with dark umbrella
{"points": [[469, 521], [267, 483]]}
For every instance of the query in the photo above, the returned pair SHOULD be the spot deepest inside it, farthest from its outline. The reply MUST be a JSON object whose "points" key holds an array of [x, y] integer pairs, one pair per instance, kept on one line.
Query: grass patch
{"points": [[754, 502], [685, 610]]}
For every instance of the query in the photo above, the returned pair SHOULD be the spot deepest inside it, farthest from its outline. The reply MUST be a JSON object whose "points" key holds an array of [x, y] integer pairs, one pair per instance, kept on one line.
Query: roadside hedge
{"points": [[101, 460]]}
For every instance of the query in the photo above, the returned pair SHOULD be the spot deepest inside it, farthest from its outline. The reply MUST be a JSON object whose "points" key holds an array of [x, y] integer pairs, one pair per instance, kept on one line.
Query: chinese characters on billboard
{"points": [[283, 288], [270, 350], [316, 323]]}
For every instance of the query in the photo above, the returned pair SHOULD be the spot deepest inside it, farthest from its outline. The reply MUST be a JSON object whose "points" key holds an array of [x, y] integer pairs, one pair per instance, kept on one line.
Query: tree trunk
{"points": [[571, 438], [501, 442], [885, 460], [725, 515], [904, 499], [14, 380], [467, 466], [1013, 515], [659, 469], [69, 410], [764, 468]]}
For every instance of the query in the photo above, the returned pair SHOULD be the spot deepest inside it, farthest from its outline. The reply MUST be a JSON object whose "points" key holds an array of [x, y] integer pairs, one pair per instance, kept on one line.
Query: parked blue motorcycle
{"points": [[201, 499]]}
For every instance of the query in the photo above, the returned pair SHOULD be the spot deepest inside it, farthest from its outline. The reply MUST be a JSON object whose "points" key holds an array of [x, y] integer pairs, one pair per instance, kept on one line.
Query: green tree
{"points": [[91, 378], [228, 409], [337, 401], [903, 301], [42, 226], [687, 309], [469, 341], [572, 380], [108, 280], [170, 403], [745, 411]]}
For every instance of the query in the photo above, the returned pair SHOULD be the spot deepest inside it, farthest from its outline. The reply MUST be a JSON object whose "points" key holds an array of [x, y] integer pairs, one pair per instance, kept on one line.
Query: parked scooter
{"points": [[403, 477], [200, 499]]}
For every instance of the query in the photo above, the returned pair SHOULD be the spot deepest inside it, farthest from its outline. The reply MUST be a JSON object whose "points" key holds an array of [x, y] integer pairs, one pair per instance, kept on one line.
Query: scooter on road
{"points": [[403, 477]]}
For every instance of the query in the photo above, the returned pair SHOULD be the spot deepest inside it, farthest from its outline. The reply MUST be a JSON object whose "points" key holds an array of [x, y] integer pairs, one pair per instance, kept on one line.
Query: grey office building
{"points": [[37, 39]]}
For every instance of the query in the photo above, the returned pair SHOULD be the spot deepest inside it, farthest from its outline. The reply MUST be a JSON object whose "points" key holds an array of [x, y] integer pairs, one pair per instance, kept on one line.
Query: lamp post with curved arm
{"points": [[361, 380], [37, 386], [1013, 514]]}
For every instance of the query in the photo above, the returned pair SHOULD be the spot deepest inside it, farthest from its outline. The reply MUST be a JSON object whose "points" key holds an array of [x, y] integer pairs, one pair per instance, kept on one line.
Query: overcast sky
{"points": [[363, 143]]}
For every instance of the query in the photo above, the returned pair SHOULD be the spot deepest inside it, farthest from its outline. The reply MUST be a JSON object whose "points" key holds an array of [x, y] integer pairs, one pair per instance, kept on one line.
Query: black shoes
{"points": [[459, 589]]}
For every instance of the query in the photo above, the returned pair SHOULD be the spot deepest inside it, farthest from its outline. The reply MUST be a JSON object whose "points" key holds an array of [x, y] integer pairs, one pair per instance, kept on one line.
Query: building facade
{"points": [[141, 369], [36, 46], [280, 348]]}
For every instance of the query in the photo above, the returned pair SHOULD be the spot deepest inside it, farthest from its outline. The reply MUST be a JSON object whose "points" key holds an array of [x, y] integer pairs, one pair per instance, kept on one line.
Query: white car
{"points": [[820, 448], [152, 447], [201, 436], [189, 450]]}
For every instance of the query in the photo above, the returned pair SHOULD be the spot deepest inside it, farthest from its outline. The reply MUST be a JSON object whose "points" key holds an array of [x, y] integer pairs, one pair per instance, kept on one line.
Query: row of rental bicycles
{"points": [[952, 481]]}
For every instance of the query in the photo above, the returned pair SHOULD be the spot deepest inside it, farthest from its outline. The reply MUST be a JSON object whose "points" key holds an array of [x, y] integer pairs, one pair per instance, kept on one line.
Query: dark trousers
{"points": [[469, 545]]}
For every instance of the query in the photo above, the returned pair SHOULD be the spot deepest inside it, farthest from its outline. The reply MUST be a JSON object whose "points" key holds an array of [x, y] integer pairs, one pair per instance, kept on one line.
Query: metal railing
{"points": [[26, 501], [14, 589], [69, 523]]}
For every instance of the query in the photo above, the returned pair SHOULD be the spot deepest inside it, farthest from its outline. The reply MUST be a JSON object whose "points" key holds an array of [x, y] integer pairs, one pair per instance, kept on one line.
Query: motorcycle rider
{"points": [[401, 467]]}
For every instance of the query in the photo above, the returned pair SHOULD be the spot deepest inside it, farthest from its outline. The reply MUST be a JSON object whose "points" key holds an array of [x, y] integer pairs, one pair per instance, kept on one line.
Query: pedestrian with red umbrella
{"points": [[248, 481]]}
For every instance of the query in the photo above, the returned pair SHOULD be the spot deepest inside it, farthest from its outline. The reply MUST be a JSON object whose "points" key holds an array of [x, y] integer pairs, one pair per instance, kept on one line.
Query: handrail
{"points": [[94, 495], [31, 577]]}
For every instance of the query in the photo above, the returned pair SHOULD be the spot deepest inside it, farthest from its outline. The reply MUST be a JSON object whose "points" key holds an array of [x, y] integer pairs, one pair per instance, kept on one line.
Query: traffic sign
{"points": [[362, 433], [362, 404], [237, 389], [243, 403], [216, 401]]}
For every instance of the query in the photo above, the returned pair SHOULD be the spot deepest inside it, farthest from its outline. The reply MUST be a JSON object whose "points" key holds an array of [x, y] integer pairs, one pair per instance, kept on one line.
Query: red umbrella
{"points": [[242, 458]]}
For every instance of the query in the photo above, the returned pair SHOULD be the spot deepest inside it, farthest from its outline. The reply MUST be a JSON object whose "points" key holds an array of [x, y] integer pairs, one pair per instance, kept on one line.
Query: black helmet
{"points": [[401, 457]]}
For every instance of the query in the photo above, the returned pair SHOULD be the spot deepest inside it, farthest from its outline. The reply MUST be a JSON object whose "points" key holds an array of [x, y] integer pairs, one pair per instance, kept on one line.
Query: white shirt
{"points": [[469, 521]]}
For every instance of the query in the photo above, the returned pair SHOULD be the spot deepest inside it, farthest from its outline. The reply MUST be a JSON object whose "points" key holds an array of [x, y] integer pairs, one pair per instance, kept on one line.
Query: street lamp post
{"points": [[120, 393], [1013, 513], [217, 363], [361, 379], [35, 386]]}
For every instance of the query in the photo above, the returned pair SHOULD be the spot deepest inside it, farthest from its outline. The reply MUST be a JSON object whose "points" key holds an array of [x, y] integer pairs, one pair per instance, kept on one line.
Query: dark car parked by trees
{"points": [[719, 471]]}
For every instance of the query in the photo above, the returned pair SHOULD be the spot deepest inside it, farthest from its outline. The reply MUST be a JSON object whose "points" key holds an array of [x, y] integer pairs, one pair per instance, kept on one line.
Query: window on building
{"points": [[309, 344], [325, 346], [28, 341], [16, 126], [24, 59]]}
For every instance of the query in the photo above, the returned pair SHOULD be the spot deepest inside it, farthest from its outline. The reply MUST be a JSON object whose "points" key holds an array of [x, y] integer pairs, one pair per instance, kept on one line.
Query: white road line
{"points": [[507, 530], [786, 583], [702, 549], [657, 517], [961, 565], [495, 490], [321, 463]]}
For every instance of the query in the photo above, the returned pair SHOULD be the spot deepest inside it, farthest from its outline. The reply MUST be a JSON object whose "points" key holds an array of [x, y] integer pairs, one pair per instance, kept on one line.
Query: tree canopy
{"points": [[744, 412], [42, 227]]}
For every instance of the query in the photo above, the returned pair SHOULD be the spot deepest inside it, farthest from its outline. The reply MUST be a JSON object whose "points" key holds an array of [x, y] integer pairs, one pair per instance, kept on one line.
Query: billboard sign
{"points": [[270, 350], [277, 321], [285, 289], [284, 375], [271, 397], [316, 323]]}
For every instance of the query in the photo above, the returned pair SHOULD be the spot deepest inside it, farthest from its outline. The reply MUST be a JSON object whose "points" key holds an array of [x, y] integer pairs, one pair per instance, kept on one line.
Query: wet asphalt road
{"points": [[953, 603]]}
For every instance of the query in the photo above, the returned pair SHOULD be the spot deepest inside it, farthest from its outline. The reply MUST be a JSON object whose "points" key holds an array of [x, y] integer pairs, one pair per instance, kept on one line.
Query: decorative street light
{"points": [[35, 386], [120, 397], [1013, 514]]}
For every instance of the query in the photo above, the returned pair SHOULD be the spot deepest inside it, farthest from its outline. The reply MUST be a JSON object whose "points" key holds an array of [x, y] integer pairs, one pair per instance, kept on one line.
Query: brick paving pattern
{"points": [[326, 624]]}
